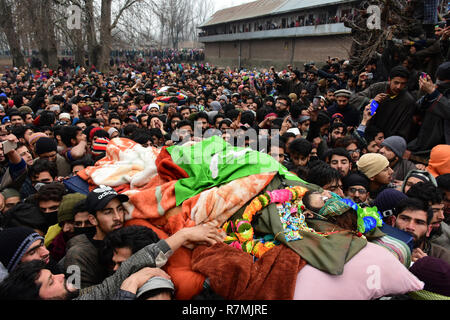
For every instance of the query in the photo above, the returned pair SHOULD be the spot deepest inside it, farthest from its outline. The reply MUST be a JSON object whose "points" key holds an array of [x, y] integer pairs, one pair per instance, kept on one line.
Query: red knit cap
{"points": [[93, 131], [99, 146]]}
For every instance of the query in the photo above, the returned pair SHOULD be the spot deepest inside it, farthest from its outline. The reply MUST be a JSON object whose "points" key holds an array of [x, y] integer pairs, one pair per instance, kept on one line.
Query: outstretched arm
{"points": [[154, 255]]}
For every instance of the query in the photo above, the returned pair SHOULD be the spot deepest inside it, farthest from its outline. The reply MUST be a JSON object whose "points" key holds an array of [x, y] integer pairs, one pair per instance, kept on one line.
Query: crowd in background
{"points": [[318, 121]]}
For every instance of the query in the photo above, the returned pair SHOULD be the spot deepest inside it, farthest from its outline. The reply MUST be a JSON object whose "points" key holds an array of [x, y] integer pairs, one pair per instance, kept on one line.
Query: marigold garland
{"points": [[240, 233], [276, 196]]}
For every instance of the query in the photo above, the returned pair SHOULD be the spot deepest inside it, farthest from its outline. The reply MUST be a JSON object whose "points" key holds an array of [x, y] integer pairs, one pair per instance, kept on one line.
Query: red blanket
{"points": [[234, 276]]}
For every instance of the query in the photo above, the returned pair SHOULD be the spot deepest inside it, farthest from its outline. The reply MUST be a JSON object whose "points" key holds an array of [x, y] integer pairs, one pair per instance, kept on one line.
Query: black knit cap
{"points": [[387, 200], [443, 71], [14, 243], [355, 179], [44, 145], [26, 215]]}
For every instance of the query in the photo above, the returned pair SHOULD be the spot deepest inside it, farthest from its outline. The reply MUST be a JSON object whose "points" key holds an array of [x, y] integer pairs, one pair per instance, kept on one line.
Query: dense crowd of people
{"points": [[379, 137]]}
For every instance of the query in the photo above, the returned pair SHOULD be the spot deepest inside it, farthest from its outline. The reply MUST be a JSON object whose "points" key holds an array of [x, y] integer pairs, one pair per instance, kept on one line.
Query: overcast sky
{"points": [[222, 4]]}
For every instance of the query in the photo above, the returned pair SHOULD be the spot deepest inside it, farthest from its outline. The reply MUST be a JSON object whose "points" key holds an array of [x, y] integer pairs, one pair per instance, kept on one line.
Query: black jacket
{"points": [[435, 109], [394, 115]]}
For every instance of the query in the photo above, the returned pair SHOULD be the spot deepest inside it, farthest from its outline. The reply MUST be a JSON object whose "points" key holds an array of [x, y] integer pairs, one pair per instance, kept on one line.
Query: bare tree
{"points": [[366, 42], [8, 27], [41, 13], [105, 24], [177, 17]]}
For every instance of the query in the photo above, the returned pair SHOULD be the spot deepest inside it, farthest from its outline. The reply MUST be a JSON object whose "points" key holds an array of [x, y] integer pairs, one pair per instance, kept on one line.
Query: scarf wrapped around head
{"points": [[334, 207]]}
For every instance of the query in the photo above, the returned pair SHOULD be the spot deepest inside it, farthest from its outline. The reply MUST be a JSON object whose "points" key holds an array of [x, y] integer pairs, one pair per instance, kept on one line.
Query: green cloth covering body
{"points": [[328, 254], [214, 161]]}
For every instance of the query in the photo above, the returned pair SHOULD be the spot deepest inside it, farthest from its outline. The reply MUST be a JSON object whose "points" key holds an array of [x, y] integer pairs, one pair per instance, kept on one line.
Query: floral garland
{"points": [[290, 207], [240, 234], [368, 218], [276, 196]]}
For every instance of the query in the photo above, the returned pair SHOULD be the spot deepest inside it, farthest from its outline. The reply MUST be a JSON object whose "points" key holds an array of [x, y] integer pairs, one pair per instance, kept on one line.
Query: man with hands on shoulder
{"points": [[32, 281]]}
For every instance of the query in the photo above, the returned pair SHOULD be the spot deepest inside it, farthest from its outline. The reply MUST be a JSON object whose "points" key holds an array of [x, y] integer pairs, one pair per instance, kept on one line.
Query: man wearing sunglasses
{"points": [[356, 186]]}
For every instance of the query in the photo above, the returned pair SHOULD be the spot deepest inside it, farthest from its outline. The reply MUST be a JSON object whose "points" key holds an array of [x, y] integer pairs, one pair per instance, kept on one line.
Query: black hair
{"points": [[232, 114], [336, 151], [185, 108], [225, 121], [80, 206], [51, 192], [443, 181], [288, 135], [43, 165], [156, 132], [217, 116], [425, 191], [21, 282], [300, 146], [302, 172], [322, 119], [133, 237], [91, 121], [79, 162], [114, 116], [47, 118], [201, 115], [336, 125], [283, 97], [141, 135], [19, 131], [183, 123], [58, 99], [399, 71], [45, 128], [248, 118], [295, 111], [142, 115], [82, 121], [129, 129], [68, 133], [322, 174], [14, 112], [413, 204], [370, 133], [344, 142], [21, 144]]}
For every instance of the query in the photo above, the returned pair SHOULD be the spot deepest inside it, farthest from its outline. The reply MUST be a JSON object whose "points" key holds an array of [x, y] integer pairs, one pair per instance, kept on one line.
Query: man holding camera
{"points": [[435, 128], [394, 116]]}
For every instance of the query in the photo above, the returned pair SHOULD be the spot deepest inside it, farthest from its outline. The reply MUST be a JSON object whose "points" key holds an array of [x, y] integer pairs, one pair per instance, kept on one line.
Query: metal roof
{"points": [[261, 8], [294, 5], [244, 11]]}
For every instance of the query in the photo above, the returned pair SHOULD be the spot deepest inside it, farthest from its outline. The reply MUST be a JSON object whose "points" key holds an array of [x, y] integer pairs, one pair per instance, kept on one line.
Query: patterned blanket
{"points": [[148, 176]]}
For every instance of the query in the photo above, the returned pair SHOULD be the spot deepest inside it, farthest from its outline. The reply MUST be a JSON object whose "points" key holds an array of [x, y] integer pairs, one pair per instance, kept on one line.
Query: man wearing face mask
{"points": [[435, 129], [48, 199], [106, 213], [65, 229]]}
